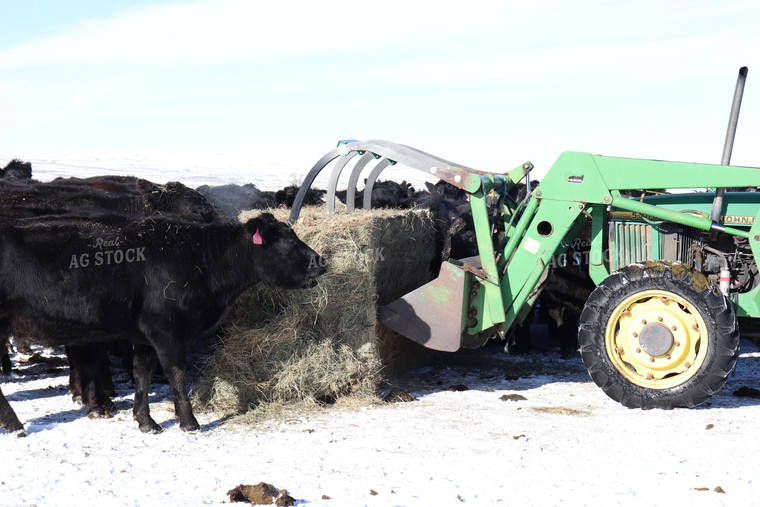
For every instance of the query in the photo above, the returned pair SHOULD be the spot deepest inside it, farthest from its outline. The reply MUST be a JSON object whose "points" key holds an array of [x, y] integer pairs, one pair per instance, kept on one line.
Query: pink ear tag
{"points": [[257, 239]]}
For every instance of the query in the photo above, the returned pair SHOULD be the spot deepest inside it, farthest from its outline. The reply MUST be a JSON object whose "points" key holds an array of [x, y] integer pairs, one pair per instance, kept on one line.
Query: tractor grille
{"points": [[677, 243], [630, 243]]}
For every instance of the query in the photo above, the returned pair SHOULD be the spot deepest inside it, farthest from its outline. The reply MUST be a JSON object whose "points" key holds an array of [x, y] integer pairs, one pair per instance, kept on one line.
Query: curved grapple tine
{"points": [[354, 177], [458, 175], [333, 183], [379, 167], [301, 195], [390, 153]]}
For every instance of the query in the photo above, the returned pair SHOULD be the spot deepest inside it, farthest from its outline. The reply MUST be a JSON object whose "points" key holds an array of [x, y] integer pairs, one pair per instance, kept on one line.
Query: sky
{"points": [[487, 84]]}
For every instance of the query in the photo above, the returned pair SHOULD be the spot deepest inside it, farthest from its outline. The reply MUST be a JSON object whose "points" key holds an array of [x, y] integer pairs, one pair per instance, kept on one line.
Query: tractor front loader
{"points": [[660, 330]]}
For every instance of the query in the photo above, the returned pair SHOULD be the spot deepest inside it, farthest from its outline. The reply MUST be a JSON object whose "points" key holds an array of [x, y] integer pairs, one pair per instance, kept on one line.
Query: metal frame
{"points": [[388, 154]]}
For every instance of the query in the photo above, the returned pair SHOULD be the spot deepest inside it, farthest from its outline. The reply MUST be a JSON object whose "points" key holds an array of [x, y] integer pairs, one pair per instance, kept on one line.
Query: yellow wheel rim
{"points": [[656, 339]]}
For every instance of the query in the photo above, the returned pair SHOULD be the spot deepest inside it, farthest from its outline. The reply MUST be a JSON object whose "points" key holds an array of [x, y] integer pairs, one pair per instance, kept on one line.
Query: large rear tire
{"points": [[658, 336]]}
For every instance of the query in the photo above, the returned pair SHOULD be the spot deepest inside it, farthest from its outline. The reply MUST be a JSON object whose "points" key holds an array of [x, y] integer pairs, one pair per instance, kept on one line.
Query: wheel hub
{"points": [[656, 339]]}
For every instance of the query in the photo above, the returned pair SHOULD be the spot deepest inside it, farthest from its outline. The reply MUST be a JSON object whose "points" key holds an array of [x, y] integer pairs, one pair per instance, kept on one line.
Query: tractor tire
{"points": [[658, 335]]}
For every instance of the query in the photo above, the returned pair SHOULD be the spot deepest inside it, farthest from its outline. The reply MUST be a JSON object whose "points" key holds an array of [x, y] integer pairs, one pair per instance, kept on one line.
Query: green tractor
{"points": [[673, 271]]}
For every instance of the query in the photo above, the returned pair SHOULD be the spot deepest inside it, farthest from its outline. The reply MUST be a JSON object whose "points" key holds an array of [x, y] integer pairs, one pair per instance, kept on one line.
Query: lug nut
{"points": [[673, 328], [678, 344], [659, 319], [619, 350], [687, 364], [695, 327], [643, 321], [650, 376], [627, 312], [664, 299], [667, 356], [635, 334], [651, 360], [638, 351]]}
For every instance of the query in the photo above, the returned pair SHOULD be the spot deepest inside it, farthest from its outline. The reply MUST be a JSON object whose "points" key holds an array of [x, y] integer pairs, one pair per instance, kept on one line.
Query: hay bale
{"points": [[315, 346]]}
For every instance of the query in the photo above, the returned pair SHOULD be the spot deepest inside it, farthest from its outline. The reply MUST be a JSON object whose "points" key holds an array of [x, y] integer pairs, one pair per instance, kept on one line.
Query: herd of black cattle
{"points": [[95, 263]]}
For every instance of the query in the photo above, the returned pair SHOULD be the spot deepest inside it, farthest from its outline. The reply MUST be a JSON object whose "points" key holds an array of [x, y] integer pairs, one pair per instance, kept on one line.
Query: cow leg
{"points": [[173, 361], [105, 375], [568, 334], [75, 376], [520, 340], [5, 358], [8, 418], [144, 363], [122, 350], [86, 365], [5, 361]]}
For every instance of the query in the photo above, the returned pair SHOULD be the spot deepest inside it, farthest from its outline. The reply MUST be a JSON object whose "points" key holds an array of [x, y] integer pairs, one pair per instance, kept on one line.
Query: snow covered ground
{"points": [[565, 443]]}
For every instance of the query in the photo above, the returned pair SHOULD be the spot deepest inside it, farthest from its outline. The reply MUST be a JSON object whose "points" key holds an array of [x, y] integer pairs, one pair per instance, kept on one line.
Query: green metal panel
{"points": [[669, 215], [541, 241], [599, 256], [748, 304], [740, 208], [656, 243], [493, 310], [574, 177], [629, 174]]}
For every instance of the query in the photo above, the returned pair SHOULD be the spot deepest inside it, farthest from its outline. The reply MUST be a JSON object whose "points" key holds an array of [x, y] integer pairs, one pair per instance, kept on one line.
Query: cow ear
{"points": [[262, 229]]}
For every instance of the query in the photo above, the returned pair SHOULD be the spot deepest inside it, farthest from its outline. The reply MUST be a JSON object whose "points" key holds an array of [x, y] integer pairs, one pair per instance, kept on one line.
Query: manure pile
{"points": [[299, 348]]}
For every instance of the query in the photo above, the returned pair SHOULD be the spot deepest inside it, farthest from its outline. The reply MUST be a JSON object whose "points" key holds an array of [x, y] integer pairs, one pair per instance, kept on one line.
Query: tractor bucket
{"points": [[432, 314]]}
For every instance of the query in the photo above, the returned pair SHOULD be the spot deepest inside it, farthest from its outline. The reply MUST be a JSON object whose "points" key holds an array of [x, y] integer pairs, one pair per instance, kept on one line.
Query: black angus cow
{"points": [[16, 170], [389, 194], [232, 199], [160, 283], [285, 197], [385, 194], [118, 194]]}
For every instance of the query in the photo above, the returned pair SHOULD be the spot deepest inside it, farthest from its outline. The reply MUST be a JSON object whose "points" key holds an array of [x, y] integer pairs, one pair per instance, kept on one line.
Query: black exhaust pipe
{"points": [[728, 147]]}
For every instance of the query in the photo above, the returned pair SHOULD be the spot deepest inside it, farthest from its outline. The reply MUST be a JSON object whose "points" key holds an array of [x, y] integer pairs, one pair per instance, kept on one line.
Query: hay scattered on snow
{"points": [[310, 347]]}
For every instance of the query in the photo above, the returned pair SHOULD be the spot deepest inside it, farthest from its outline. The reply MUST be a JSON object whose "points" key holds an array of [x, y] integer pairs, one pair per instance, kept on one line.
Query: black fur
{"points": [[171, 285]]}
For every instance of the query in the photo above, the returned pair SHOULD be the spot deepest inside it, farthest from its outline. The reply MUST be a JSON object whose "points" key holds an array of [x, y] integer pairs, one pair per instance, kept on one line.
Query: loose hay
{"points": [[310, 347]]}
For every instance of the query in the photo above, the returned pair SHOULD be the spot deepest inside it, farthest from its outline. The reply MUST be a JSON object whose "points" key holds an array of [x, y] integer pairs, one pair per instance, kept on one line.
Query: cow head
{"points": [[16, 170], [280, 257]]}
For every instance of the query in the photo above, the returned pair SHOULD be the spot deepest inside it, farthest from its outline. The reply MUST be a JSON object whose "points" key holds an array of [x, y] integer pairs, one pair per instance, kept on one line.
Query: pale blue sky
{"points": [[487, 84]]}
